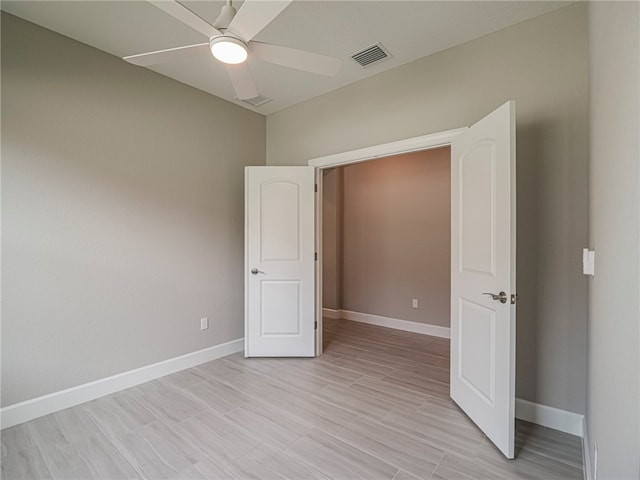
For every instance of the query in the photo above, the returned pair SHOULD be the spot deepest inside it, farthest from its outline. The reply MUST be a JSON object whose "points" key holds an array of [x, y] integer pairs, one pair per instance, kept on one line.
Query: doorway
{"points": [[386, 242]]}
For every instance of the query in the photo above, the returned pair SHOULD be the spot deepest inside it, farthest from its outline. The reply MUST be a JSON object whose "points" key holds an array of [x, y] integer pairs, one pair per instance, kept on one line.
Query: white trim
{"points": [[424, 142], [330, 313], [317, 198], [415, 327], [562, 420], [586, 451], [53, 402]]}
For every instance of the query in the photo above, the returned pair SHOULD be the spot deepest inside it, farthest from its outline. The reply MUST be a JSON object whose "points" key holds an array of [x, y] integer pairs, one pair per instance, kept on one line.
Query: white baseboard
{"points": [[568, 422], [415, 327], [330, 313], [586, 451], [53, 402]]}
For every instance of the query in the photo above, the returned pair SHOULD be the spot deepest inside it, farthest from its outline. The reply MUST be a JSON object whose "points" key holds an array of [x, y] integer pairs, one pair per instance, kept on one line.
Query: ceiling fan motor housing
{"points": [[224, 19]]}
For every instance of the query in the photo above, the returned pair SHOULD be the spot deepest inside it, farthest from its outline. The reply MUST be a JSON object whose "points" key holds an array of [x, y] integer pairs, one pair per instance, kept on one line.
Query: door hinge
{"points": [[315, 187], [315, 256], [514, 298], [315, 325]]}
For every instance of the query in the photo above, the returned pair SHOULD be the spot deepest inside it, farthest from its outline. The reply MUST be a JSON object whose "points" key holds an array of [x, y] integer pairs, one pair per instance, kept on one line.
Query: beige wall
{"points": [[396, 237], [613, 394], [332, 238], [122, 214], [542, 64]]}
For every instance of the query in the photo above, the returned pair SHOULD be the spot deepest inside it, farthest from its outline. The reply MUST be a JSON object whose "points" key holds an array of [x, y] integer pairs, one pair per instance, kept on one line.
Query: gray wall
{"points": [[122, 214], [613, 394], [332, 238], [542, 64], [397, 237]]}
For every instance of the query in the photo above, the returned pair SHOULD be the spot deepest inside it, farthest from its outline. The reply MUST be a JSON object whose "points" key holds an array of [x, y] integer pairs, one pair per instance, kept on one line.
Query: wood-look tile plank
{"points": [[297, 380], [76, 424], [549, 443], [64, 461], [16, 438], [117, 414], [259, 386], [171, 404], [361, 366], [180, 455], [390, 392], [394, 447], [454, 466], [26, 463], [268, 425], [205, 470], [103, 459], [326, 371], [185, 378], [336, 459], [266, 462], [449, 436], [210, 395], [412, 380], [227, 392], [216, 437], [318, 413], [135, 448], [402, 475], [47, 430], [358, 402], [528, 465]]}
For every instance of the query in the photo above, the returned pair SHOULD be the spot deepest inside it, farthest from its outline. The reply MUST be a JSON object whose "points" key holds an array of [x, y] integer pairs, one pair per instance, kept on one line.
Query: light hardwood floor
{"points": [[374, 406]]}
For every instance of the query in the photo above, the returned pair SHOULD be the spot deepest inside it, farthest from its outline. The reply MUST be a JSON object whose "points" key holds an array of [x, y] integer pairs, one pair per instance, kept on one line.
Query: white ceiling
{"points": [[408, 29]]}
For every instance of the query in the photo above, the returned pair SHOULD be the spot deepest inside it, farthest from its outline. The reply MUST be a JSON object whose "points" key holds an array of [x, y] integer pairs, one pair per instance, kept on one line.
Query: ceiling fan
{"points": [[231, 42]]}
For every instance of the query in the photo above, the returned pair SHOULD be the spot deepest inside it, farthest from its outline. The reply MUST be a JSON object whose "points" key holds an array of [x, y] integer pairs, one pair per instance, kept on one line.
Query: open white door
{"points": [[483, 262], [279, 262]]}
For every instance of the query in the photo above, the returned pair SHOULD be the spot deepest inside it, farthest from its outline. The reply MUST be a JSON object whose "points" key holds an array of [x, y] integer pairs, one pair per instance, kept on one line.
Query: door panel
{"points": [[280, 313], [483, 261], [280, 221], [279, 262], [477, 370], [477, 208]]}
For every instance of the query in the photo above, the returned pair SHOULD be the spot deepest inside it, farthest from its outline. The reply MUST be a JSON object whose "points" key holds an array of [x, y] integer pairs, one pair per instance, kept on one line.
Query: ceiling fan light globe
{"points": [[228, 50]]}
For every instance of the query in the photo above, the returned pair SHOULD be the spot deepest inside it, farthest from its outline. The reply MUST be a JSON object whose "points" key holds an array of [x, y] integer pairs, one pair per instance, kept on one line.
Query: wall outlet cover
{"points": [[204, 323]]}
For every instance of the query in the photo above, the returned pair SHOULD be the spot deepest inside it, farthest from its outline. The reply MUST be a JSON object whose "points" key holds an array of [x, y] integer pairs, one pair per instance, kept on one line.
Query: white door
{"points": [[279, 262], [483, 261]]}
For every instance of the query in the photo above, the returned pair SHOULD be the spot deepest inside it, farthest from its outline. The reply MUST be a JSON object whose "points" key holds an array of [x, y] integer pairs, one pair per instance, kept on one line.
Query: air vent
{"points": [[257, 101], [373, 54]]}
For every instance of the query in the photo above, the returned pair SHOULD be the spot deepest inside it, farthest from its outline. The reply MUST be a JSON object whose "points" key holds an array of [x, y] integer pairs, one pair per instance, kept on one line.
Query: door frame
{"points": [[424, 142]]}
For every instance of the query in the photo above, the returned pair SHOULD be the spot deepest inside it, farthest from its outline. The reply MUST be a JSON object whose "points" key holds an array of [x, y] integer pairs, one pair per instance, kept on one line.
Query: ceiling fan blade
{"points": [[186, 16], [242, 81], [298, 59], [168, 55], [254, 15]]}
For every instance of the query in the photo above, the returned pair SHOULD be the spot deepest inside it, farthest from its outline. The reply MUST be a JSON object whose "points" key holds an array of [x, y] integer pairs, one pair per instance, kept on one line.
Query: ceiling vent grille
{"points": [[257, 101], [373, 54]]}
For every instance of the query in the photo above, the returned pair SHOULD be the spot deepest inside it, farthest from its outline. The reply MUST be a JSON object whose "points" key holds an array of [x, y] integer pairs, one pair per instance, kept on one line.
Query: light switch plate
{"points": [[588, 261]]}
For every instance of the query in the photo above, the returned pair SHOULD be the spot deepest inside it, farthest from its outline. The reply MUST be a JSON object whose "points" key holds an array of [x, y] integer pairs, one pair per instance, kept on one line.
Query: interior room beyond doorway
{"points": [[386, 242]]}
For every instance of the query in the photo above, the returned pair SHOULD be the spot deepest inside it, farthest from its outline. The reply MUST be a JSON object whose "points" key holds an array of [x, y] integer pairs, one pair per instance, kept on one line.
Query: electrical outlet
{"points": [[414, 303], [595, 461], [204, 323]]}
